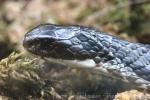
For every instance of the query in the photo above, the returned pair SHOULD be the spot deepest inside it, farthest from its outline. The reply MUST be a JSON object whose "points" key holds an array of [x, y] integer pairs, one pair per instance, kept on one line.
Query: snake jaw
{"points": [[88, 63]]}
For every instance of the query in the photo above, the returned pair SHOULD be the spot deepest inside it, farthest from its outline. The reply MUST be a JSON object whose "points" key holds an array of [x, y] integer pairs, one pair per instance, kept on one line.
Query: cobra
{"points": [[86, 47]]}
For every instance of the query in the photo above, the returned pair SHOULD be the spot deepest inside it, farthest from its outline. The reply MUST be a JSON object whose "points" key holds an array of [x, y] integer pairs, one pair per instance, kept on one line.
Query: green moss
{"points": [[22, 77]]}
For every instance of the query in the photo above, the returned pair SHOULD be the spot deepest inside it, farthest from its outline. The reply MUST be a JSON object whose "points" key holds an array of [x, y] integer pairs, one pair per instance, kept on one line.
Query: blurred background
{"points": [[129, 19]]}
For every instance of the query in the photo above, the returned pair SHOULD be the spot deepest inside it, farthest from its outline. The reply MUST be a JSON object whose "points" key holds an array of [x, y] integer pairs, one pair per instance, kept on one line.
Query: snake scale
{"points": [[108, 54]]}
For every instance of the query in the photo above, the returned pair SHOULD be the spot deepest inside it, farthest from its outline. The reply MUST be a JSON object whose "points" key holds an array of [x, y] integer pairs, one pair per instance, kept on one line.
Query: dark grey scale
{"points": [[146, 62], [100, 46], [138, 72], [103, 38], [147, 46], [82, 55], [133, 46], [126, 50], [64, 54], [42, 44], [95, 48], [103, 53], [146, 77], [97, 60], [144, 50], [134, 54], [108, 58], [121, 42], [112, 50], [128, 60], [52, 53], [146, 71], [91, 42], [76, 48], [83, 52], [132, 66], [121, 55], [93, 32], [137, 65], [93, 53], [82, 38], [141, 51], [113, 62], [147, 59], [116, 46], [86, 46], [147, 56], [141, 72], [59, 50], [70, 53], [142, 60], [105, 43], [75, 41], [94, 35], [118, 60], [50, 47]]}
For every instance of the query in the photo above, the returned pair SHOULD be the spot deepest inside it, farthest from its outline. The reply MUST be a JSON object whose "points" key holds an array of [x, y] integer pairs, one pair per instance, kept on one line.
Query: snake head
{"points": [[54, 41]]}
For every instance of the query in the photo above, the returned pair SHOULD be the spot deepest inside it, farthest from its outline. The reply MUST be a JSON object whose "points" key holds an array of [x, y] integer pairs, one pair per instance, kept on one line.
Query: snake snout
{"points": [[39, 46]]}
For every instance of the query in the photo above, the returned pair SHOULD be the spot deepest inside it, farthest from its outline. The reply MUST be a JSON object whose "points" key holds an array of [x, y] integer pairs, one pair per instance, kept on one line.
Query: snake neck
{"points": [[109, 48]]}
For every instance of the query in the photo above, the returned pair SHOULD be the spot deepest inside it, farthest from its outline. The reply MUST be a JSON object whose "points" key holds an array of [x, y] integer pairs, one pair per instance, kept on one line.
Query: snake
{"points": [[81, 46]]}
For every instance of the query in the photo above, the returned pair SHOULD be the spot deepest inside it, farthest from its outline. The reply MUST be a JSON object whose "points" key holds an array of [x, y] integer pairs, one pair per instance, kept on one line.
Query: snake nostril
{"points": [[27, 44]]}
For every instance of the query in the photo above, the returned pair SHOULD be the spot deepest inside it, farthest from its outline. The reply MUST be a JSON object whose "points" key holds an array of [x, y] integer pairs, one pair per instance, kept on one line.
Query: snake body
{"points": [[112, 55]]}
